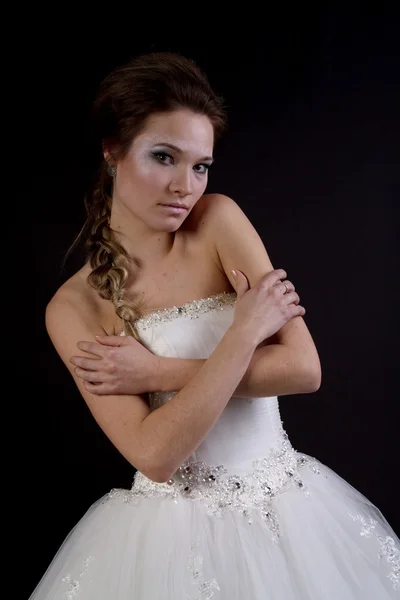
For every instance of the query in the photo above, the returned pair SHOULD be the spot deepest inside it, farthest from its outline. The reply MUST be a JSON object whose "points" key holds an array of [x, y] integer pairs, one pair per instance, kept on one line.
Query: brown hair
{"points": [[151, 83]]}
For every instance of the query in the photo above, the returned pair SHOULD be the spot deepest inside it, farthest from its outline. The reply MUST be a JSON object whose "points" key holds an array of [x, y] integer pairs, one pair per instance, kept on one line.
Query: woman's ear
{"points": [[106, 152]]}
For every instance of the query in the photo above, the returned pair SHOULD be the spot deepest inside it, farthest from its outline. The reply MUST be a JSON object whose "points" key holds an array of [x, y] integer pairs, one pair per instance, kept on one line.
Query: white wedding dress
{"points": [[246, 517]]}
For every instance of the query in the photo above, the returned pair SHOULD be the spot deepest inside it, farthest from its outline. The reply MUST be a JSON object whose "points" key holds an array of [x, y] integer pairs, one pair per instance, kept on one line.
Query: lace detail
{"points": [[387, 547], [206, 589], [74, 585], [191, 309], [219, 491]]}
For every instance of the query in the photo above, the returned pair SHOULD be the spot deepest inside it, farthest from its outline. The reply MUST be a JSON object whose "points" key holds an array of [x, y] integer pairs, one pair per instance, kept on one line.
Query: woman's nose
{"points": [[181, 183]]}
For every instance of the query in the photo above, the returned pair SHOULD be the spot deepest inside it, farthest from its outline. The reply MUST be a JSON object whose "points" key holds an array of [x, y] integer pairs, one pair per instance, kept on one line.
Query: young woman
{"points": [[200, 334]]}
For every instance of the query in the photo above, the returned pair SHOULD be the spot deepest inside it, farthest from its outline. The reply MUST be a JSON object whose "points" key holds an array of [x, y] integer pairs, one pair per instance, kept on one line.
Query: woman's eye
{"points": [[167, 159], [163, 157], [201, 168]]}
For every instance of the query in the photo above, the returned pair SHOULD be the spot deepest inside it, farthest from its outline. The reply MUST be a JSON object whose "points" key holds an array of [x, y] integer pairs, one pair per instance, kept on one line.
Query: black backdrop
{"points": [[311, 157]]}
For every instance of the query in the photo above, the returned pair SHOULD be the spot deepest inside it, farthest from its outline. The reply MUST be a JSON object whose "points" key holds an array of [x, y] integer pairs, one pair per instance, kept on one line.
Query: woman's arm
{"points": [[124, 366], [289, 363], [158, 442], [271, 372]]}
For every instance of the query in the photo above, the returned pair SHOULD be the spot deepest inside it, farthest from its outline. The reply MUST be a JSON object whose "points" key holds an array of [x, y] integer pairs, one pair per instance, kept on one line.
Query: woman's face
{"points": [[167, 163]]}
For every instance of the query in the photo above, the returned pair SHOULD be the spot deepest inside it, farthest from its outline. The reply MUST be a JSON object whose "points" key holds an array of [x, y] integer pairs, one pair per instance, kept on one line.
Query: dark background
{"points": [[311, 156]]}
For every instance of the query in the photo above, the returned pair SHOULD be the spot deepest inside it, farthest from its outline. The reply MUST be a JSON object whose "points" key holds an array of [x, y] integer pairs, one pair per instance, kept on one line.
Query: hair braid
{"points": [[111, 265]]}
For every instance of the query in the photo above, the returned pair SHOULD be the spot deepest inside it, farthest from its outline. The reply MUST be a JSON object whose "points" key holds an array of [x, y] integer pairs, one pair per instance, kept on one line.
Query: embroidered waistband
{"points": [[219, 490]]}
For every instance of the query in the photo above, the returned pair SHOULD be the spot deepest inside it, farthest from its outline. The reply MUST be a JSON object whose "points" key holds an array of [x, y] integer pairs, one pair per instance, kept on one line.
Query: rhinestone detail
{"points": [[220, 491], [192, 310]]}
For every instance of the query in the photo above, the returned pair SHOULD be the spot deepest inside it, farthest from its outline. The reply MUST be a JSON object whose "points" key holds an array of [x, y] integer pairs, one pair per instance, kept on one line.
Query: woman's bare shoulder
{"points": [[75, 300], [204, 205], [208, 210], [197, 225]]}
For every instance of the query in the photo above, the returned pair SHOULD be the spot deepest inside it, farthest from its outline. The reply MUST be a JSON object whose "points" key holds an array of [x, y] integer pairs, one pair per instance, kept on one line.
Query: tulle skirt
{"points": [[317, 539]]}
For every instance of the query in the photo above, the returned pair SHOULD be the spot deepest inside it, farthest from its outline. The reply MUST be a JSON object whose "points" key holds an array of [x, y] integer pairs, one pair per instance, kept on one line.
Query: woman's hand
{"points": [[261, 311], [120, 365]]}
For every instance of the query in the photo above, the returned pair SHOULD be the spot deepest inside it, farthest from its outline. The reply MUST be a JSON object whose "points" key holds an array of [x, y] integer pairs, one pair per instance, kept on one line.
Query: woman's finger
{"points": [[93, 376], [292, 298], [99, 389], [91, 347], [90, 364]]}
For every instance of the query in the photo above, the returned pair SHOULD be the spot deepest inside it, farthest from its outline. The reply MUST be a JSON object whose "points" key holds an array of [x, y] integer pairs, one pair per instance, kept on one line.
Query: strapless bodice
{"points": [[247, 428]]}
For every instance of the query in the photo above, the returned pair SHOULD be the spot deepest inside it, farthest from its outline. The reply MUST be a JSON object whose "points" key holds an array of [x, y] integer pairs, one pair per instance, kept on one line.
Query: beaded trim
{"points": [[192, 309], [220, 491]]}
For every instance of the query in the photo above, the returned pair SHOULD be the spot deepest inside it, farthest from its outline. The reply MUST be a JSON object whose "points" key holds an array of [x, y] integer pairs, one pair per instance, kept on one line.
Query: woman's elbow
{"points": [[158, 470], [312, 377]]}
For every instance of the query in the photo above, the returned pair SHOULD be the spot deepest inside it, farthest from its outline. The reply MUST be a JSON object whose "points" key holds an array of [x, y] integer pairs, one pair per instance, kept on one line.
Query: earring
{"points": [[111, 170]]}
